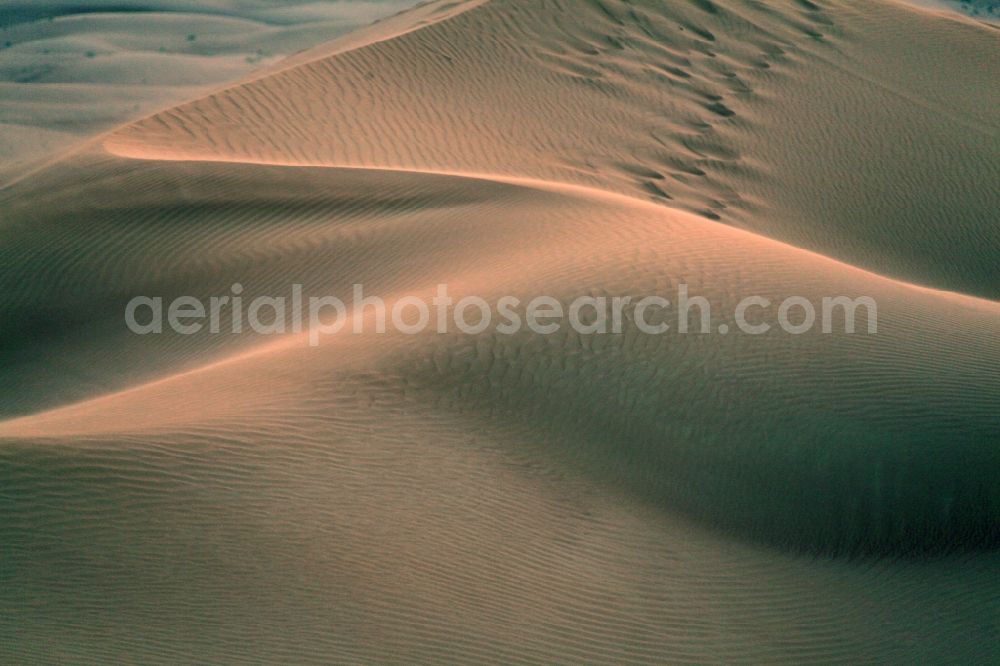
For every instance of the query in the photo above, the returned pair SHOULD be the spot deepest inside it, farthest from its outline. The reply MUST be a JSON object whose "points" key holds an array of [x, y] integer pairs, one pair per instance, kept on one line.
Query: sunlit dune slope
{"points": [[862, 130], [72, 69], [492, 498]]}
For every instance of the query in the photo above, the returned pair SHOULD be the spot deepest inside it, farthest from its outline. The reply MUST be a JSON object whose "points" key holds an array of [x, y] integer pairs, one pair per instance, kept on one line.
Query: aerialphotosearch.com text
{"points": [[318, 316]]}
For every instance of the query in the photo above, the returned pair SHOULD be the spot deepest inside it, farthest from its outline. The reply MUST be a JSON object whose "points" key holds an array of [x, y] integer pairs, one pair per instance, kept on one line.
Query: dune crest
{"points": [[674, 104], [523, 498]]}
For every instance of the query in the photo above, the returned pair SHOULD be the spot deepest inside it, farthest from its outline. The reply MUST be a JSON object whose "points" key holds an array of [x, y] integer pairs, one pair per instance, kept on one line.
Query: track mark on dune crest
{"points": [[629, 67], [652, 178], [707, 87]]}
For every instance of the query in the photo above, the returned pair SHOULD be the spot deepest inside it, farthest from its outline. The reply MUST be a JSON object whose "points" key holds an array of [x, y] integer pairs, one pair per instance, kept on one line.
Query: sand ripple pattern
{"points": [[446, 498]]}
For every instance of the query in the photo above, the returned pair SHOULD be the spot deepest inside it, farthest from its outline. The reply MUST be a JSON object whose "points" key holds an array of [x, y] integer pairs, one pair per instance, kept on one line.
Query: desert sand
{"points": [[70, 70], [447, 498]]}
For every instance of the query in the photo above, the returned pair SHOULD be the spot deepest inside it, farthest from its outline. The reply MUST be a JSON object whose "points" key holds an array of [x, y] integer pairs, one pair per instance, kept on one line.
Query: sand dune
{"points": [[70, 70], [391, 498], [748, 125]]}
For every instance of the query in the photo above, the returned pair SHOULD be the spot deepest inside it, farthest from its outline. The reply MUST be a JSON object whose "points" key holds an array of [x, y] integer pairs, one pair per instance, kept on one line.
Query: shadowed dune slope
{"points": [[492, 498]]}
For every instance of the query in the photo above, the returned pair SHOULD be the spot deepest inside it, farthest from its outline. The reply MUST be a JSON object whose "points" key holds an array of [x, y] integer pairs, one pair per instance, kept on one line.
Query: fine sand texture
{"points": [[525, 498], [72, 69]]}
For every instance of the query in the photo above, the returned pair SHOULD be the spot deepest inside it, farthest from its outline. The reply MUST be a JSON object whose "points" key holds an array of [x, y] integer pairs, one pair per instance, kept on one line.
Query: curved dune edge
{"points": [[969, 300], [381, 30], [567, 238], [663, 109], [29, 425], [70, 99], [488, 498], [180, 141]]}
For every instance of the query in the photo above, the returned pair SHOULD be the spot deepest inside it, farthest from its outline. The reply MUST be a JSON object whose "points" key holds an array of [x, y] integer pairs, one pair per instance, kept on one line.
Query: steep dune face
{"points": [[801, 122], [522, 498]]}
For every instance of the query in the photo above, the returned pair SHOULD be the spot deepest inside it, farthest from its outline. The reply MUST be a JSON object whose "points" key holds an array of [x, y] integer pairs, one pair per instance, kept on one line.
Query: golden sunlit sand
{"points": [[490, 498]]}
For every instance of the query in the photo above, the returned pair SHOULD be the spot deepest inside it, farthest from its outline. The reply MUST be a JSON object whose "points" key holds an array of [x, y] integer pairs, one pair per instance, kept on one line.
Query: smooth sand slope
{"points": [[71, 69], [523, 499]]}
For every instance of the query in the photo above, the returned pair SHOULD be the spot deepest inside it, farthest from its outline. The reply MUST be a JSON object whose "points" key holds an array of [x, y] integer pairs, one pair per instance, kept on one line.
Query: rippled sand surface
{"points": [[490, 498], [70, 69]]}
